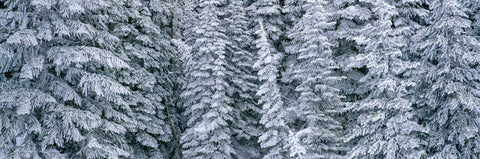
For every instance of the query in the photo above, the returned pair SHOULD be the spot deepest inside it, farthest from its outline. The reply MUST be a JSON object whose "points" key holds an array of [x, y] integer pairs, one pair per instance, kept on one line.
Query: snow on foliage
{"points": [[239, 79]]}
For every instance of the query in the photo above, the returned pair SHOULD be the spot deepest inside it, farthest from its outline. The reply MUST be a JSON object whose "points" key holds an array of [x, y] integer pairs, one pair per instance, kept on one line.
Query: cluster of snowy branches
{"points": [[240, 79]]}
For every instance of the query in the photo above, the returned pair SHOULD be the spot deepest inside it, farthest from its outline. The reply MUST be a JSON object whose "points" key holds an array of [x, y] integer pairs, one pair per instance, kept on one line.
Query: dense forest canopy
{"points": [[240, 79]]}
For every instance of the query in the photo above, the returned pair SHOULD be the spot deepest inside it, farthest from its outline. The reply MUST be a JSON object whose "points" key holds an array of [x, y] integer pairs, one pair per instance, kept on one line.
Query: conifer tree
{"points": [[274, 137], [93, 63], [245, 128], [383, 124], [349, 17], [319, 100], [19, 102], [207, 106], [154, 59], [472, 8], [168, 15], [270, 11], [54, 69], [293, 11], [448, 73]]}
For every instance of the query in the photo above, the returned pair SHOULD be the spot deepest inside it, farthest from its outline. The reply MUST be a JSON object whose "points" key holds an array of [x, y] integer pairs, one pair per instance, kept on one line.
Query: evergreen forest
{"points": [[240, 79]]}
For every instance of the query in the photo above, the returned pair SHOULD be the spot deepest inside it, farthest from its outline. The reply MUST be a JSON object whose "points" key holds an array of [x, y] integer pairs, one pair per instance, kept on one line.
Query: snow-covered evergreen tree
{"points": [[319, 100], [243, 82], [207, 107], [19, 121], [270, 11], [68, 65], [297, 150], [293, 11], [20, 103], [382, 123], [274, 137], [168, 15], [472, 9], [97, 60], [448, 51], [351, 17], [150, 51]]}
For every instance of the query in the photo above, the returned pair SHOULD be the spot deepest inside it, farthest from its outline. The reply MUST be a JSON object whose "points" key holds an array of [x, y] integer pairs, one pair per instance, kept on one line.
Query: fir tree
{"points": [[149, 48], [167, 15], [472, 9], [293, 11], [55, 69], [274, 138], [449, 81], [207, 106], [270, 11], [243, 82], [319, 100], [349, 17], [91, 57], [382, 124]]}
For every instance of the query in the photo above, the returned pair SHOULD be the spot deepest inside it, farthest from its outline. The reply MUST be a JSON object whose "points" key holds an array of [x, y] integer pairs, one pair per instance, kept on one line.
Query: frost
{"points": [[23, 37]]}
